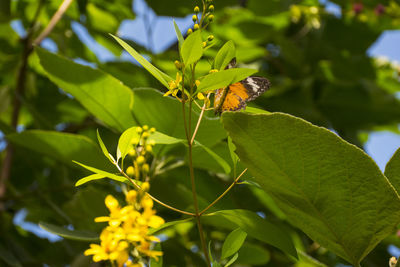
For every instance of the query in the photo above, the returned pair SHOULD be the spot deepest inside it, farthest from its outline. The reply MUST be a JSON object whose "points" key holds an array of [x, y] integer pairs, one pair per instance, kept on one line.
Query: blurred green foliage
{"points": [[319, 69]]}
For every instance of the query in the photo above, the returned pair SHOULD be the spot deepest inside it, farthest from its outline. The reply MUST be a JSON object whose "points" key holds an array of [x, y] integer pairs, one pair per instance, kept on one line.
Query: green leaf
{"points": [[104, 173], [216, 157], [103, 147], [159, 75], [224, 55], [163, 139], [101, 94], [392, 170], [223, 78], [232, 149], [89, 178], [62, 146], [85, 236], [233, 242], [232, 260], [330, 189], [254, 226], [209, 252], [252, 254], [256, 110], [178, 35], [159, 261], [192, 48], [125, 141]]}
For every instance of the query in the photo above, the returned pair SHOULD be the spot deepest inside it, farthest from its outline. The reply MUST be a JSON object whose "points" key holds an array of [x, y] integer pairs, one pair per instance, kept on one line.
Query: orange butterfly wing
{"points": [[234, 97]]}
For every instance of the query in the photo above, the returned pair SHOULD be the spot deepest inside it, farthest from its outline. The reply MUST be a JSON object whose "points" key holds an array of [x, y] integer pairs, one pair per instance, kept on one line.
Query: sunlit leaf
{"points": [[223, 78], [89, 178], [224, 55], [327, 187], [192, 48], [233, 242]]}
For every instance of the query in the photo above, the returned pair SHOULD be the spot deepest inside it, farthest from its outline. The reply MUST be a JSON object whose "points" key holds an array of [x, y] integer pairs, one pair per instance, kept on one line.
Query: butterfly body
{"points": [[235, 96]]}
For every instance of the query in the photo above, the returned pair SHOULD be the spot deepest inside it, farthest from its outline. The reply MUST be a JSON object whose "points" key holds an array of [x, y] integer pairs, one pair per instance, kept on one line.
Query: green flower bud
{"points": [[196, 9], [210, 37], [152, 130], [194, 18], [145, 135], [211, 8], [139, 130], [210, 17], [145, 127], [196, 26], [189, 31]]}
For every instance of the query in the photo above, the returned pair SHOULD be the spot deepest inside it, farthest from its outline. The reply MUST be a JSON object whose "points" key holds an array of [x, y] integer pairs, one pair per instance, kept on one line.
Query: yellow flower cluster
{"points": [[142, 148], [125, 241]]}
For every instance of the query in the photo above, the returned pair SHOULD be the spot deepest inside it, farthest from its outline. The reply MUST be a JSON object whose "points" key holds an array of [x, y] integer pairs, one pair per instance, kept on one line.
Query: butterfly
{"points": [[235, 96]]}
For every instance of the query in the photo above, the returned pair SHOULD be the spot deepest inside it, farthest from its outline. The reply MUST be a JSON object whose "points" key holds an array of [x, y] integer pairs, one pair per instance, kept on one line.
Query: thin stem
{"points": [[153, 198], [198, 121], [54, 20], [224, 193]]}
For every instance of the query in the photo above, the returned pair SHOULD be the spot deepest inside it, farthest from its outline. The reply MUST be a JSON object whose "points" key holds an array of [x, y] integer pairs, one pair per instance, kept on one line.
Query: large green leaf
{"points": [[328, 188], [101, 94], [254, 226], [392, 170], [62, 146]]}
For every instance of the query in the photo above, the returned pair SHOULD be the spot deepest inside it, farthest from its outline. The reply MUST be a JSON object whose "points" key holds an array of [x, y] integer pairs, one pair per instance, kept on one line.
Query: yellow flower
{"points": [[110, 248], [145, 249], [117, 215]]}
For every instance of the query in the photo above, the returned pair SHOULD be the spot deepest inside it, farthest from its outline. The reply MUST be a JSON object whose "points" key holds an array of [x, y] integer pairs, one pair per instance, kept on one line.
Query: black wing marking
{"points": [[231, 64], [255, 86]]}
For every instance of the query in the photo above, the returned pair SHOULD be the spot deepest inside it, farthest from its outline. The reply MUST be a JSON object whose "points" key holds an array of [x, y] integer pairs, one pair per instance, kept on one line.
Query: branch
{"points": [[224, 193], [54, 20]]}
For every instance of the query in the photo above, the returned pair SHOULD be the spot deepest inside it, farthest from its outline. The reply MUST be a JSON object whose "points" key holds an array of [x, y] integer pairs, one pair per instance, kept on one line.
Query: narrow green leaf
{"points": [[223, 78], [216, 264], [126, 140], [232, 260], [178, 35], [224, 55], [209, 252], [159, 261], [330, 189], [104, 173], [103, 147], [254, 226], [85, 236], [159, 75], [192, 48], [89, 178], [107, 98], [216, 157], [233, 242]]}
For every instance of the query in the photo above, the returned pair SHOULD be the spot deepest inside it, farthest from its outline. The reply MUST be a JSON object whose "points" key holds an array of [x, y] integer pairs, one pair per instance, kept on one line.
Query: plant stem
{"points": [[198, 121], [224, 193], [153, 198]]}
